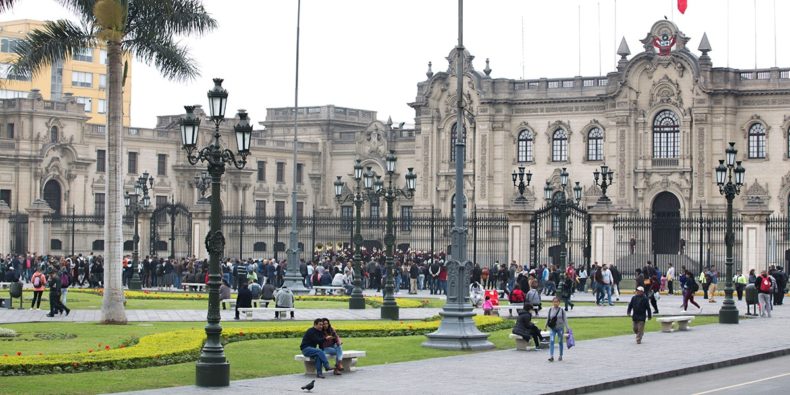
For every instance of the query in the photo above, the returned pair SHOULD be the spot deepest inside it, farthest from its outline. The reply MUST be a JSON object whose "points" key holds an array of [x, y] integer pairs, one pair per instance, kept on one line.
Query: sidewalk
{"points": [[591, 365]]}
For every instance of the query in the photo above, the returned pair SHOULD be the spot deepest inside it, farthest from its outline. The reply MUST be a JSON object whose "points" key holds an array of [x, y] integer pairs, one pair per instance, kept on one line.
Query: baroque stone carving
{"points": [[372, 142], [756, 195]]}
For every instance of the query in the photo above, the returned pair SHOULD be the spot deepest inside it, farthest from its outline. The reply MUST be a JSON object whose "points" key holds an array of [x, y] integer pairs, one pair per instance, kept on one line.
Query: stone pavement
{"points": [[591, 365], [668, 305]]}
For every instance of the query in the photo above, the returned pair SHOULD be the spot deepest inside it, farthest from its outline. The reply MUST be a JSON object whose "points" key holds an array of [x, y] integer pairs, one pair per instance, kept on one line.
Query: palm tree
{"points": [[144, 29]]}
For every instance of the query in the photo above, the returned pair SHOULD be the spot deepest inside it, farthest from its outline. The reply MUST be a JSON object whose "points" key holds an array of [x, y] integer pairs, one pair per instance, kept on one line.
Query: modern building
{"points": [[83, 75], [661, 121]]}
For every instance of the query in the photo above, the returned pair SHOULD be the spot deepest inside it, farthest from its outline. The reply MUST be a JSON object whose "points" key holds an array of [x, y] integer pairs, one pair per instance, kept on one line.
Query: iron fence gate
{"points": [[694, 242], [251, 236], [171, 231], [777, 240], [18, 225], [545, 246]]}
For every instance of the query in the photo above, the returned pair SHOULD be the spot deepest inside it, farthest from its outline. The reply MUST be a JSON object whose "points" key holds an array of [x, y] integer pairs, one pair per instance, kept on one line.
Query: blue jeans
{"points": [[337, 351], [559, 332], [607, 289], [318, 356], [421, 281]]}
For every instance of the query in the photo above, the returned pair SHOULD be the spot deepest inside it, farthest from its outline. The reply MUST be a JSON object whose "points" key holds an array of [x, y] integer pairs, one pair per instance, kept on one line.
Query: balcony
{"points": [[665, 162]]}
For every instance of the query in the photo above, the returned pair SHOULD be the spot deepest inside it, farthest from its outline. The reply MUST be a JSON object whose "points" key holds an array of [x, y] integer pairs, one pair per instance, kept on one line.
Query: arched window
{"points": [[524, 150], [595, 144], [666, 135], [559, 146], [453, 137], [757, 141], [53, 134], [452, 206]]}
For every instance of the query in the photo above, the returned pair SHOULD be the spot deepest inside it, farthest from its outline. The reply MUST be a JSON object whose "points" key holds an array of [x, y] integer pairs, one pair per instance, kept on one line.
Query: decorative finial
{"points": [[429, 73], [389, 122], [704, 45], [487, 70], [623, 49]]}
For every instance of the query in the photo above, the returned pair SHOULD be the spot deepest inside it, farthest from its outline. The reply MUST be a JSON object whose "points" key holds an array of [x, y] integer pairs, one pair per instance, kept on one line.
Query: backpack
{"points": [[37, 281], [65, 280], [765, 285], [694, 287]]}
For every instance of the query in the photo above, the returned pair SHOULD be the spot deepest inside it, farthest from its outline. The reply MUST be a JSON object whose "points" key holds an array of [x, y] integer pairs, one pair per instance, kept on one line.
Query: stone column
{"points": [[37, 232], [519, 232], [753, 240], [201, 212], [5, 228], [144, 226], [602, 241]]}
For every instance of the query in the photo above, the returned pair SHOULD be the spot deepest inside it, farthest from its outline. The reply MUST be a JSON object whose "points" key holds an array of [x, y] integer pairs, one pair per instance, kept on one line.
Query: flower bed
{"points": [[184, 345]]}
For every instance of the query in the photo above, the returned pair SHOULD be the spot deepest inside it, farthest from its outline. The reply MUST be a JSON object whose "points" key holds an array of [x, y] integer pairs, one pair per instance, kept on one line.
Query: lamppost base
{"points": [[356, 303], [295, 285], [212, 374], [458, 332], [135, 283], [728, 315], [390, 312]]}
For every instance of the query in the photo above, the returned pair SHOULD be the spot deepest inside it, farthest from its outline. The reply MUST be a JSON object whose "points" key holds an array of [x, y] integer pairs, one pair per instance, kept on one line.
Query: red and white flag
{"points": [[682, 6]]}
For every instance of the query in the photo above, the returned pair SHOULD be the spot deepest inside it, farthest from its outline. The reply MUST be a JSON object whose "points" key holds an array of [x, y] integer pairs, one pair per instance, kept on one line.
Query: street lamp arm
{"points": [[346, 198], [229, 157], [405, 193]]}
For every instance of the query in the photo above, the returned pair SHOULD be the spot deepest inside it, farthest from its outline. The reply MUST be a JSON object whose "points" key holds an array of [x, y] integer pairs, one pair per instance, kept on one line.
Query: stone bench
{"points": [[200, 287], [5, 285], [668, 322], [522, 345], [326, 288], [255, 303], [249, 310], [349, 361], [510, 308]]}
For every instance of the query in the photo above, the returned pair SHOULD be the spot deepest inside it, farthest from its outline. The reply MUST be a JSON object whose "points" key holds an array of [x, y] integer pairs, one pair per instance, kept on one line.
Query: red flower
{"points": [[241, 333], [91, 350], [18, 353], [107, 347], [75, 364]]}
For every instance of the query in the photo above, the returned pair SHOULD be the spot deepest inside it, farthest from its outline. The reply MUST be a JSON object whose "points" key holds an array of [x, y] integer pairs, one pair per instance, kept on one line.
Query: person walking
{"points": [[714, 283], [639, 311], [690, 287], [556, 323], [55, 305], [616, 277], [740, 284], [606, 282], [765, 285], [39, 281], [526, 328]]}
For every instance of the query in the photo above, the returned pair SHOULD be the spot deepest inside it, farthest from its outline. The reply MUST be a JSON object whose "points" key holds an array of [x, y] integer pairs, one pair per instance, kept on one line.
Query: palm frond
{"points": [[7, 4], [83, 8], [55, 41], [169, 17], [172, 59]]}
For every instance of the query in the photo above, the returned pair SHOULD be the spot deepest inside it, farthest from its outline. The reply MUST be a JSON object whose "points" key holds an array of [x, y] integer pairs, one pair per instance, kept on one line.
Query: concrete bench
{"points": [[668, 322], [249, 310], [349, 361], [522, 345], [255, 303], [331, 289], [200, 287], [510, 308], [5, 285]]}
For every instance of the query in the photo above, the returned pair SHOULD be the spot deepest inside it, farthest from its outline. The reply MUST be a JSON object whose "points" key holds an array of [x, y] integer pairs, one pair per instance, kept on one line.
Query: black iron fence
{"points": [[695, 242], [777, 242], [545, 245], [256, 236], [81, 233], [18, 226]]}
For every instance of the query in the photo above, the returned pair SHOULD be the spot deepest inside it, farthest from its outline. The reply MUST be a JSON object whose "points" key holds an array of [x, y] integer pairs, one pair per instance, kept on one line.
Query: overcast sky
{"points": [[371, 54]]}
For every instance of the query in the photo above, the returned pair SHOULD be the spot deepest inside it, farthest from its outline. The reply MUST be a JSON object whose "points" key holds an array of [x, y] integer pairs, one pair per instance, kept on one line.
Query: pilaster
{"points": [[201, 212], [5, 227], [520, 216], [754, 218], [602, 241], [38, 233]]}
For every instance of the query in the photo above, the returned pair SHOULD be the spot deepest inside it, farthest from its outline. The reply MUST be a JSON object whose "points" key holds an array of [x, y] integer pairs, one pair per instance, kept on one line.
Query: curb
{"points": [[615, 384]]}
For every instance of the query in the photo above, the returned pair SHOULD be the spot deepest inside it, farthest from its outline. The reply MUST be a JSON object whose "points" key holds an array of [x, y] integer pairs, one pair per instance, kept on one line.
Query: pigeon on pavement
{"points": [[309, 386]]}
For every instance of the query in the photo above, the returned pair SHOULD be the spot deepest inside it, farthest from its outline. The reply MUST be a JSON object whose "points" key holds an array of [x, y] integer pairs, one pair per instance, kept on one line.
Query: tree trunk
{"points": [[112, 309]]}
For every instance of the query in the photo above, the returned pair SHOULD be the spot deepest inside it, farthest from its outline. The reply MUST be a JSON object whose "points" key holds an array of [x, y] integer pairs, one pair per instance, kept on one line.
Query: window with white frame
{"points": [[559, 145], [102, 81], [85, 101], [525, 146], [595, 144], [101, 106], [666, 135], [103, 56], [757, 141], [83, 54], [6, 73], [81, 79]]}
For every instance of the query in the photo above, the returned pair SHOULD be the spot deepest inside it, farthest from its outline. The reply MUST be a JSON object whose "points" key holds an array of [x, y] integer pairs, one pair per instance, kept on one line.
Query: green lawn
{"points": [[248, 359]]}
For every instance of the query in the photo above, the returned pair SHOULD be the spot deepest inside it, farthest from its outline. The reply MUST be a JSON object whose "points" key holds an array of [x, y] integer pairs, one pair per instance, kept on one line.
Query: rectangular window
{"points": [[567, 84], [101, 108], [299, 173], [12, 94], [102, 81], [8, 45], [83, 54], [261, 170], [98, 204], [346, 218], [9, 130], [281, 172], [161, 164], [5, 72], [81, 79], [85, 101], [405, 218], [279, 209], [375, 213], [299, 210], [103, 56], [101, 161], [260, 209], [5, 195], [161, 200], [132, 169]]}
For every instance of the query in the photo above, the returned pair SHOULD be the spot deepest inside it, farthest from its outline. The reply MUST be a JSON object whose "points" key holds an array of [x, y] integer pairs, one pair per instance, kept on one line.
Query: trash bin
{"points": [[16, 292], [751, 298]]}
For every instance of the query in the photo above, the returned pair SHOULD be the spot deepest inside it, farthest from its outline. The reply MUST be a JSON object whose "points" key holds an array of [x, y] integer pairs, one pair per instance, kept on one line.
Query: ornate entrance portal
{"points": [[666, 224]]}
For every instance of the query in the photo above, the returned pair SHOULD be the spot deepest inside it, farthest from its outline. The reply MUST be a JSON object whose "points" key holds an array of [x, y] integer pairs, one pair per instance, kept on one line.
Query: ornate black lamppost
{"points": [[729, 188], [202, 183], [389, 309], [135, 203], [518, 181], [563, 204], [357, 300], [606, 177], [213, 370]]}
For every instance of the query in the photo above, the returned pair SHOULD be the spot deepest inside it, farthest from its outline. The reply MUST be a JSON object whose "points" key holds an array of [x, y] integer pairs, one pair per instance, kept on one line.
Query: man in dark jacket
{"points": [[640, 307], [55, 305], [311, 347], [244, 298]]}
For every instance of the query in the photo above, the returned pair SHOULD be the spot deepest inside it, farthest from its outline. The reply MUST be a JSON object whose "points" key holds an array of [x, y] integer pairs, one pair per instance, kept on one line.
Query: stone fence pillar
{"points": [[38, 233], [754, 242], [519, 232], [602, 236], [5, 228], [201, 212]]}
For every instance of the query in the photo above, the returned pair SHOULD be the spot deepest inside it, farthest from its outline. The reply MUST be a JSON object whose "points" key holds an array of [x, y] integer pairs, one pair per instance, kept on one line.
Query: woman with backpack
{"points": [[533, 297], [689, 288], [39, 281], [765, 285]]}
